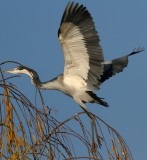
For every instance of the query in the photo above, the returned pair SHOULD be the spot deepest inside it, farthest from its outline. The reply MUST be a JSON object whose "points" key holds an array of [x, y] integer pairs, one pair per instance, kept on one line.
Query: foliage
{"points": [[27, 132]]}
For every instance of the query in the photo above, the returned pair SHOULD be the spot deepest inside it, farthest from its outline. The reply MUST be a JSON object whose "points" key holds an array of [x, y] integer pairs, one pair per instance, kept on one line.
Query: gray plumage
{"points": [[84, 65]]}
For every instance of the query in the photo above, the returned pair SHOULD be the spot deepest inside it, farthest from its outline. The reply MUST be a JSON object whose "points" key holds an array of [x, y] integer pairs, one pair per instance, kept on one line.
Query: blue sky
{"points": [[28, 34]]}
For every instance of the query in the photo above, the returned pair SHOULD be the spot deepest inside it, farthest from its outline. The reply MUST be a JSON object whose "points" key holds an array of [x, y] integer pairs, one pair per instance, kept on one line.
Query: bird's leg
{"points": [[93, 124]]}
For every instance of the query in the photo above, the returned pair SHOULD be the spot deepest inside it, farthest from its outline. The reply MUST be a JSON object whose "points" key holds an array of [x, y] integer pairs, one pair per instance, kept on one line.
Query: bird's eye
{"points": [[19, 68]]}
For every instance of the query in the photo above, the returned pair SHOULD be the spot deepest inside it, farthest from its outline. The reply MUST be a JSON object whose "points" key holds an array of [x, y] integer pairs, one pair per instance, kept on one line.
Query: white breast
{"points": [[75, 82]]}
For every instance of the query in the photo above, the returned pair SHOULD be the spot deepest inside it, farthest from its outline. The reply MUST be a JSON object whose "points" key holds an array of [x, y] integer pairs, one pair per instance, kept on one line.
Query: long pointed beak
{"points": [[9, 71], [6, 71], [17, 71]]}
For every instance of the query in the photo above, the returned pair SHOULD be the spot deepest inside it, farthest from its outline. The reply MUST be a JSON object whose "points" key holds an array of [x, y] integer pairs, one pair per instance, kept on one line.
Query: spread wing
{"points": [[117, 65], [80, 43]]}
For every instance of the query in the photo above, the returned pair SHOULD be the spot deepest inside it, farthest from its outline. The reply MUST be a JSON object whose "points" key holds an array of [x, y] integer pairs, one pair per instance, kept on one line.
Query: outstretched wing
{"points": [[80, 43], [117, 65]]}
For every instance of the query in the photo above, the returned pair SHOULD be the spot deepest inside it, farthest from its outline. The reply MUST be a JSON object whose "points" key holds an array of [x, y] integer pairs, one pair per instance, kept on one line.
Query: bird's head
{"points": [[21, 70], [26, 70]]}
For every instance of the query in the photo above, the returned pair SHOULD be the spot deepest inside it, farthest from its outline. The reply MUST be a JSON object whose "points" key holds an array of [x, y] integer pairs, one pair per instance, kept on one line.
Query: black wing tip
{"points": [[137, 50], [71, 3], [70, 8]]}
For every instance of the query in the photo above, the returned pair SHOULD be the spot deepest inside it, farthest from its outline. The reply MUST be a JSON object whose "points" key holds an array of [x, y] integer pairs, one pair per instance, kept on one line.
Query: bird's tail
{"points": [[97, 99]]}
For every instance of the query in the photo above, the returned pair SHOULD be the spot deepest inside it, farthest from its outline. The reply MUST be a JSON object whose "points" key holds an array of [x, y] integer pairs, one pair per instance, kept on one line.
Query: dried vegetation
{"points": [[28, 132]]}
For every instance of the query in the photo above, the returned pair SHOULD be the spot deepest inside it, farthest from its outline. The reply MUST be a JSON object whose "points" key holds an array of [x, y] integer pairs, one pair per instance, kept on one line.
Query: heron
{"points": [[84, 66]]}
